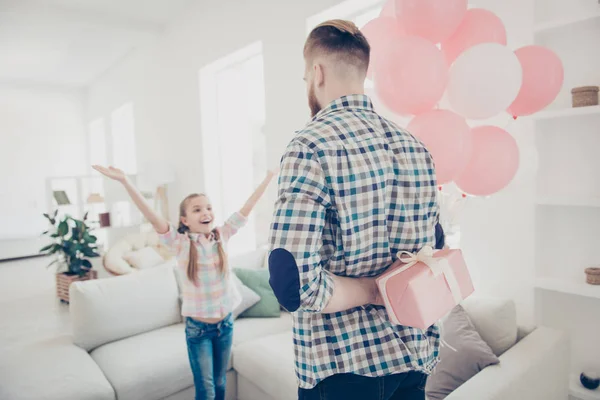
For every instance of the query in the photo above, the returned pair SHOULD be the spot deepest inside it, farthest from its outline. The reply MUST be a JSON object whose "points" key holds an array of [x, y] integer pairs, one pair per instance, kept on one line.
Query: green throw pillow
{"points": [[258, 281]]}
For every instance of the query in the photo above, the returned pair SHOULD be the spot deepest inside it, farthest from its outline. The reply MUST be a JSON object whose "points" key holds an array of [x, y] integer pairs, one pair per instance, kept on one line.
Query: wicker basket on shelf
{"points": [[63, 281], [585, 96], [593, 275]]}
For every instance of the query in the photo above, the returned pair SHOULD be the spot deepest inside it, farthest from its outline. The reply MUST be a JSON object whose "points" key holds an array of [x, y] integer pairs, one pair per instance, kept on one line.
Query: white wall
{"points": [[42, 134], [162, 81]]}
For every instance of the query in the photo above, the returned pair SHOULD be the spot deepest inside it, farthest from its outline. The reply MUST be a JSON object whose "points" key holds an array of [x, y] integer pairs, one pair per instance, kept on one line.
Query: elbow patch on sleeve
{"points": [[285, 279], [440, 237]]}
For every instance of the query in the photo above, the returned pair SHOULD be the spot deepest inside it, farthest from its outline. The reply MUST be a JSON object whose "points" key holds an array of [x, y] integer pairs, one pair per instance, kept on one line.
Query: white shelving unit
{"points": [[567, 112], [78, 188], [568, 286], [124, 216], [568, 187], [568, 201], [566, 22]]}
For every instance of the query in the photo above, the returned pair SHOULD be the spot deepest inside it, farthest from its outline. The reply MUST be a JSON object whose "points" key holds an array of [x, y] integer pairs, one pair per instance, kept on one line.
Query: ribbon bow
{"points": [[437, 265]]}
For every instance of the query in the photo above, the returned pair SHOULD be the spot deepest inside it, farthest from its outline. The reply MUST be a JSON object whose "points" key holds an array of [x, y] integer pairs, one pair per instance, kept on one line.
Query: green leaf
{"points": [[46, 248], [85, 216], [88, 252], [55, 235], [51, 219], [55, 213], [75, 266], [45, 233], [69, 249], [51, 248], [56, 249], [63, 228], [86, 264]]}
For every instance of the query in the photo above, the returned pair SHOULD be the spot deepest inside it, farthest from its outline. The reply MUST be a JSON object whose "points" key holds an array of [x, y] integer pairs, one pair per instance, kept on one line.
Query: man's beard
{"points": [[313, 103]]}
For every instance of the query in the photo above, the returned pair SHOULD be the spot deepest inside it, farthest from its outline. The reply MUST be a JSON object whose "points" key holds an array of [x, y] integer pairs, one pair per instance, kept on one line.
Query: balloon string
{"points": [[511, 120]]}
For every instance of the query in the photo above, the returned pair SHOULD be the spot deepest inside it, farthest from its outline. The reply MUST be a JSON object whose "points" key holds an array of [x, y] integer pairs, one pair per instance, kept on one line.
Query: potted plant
{"points": [[73, 246]]}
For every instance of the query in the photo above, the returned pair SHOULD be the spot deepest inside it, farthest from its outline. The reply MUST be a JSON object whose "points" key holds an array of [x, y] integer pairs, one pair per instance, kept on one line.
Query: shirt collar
{"points": [[349, 102], [200, 237]]}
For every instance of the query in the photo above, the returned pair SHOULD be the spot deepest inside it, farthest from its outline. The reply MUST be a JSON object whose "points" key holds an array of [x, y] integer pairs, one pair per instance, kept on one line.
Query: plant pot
{"points": [[63, 281]]}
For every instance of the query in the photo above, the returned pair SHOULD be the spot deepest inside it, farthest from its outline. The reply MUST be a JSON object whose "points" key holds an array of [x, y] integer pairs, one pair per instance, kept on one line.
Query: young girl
{"points": [[209, 295]]}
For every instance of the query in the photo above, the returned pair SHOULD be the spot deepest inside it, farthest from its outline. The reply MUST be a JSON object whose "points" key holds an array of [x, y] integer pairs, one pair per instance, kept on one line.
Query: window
{"points": [[123, 139], [233, 111], [97, 143], [122, 134]]}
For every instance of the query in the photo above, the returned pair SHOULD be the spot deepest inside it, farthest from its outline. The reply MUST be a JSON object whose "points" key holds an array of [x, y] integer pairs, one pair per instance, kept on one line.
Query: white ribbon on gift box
{"points": [[437, 265]]}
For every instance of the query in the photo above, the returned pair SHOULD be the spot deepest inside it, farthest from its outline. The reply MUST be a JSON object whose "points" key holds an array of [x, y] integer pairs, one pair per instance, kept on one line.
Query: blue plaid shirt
{"points": [[354, 190]]}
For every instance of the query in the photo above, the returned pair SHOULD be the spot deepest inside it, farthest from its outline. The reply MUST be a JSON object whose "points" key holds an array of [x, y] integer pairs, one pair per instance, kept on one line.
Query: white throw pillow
{"points": [[146, 257], [249, 296], [495, 320]]}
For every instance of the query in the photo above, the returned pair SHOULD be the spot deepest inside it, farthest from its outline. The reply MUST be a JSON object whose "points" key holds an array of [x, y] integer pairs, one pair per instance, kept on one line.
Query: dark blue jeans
{"points": [[209, 349], [407, 386]]}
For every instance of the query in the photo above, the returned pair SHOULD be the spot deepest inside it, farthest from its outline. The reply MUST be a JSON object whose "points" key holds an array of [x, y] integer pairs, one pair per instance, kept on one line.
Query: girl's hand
{"points": [[273, 172], [112, 173]]}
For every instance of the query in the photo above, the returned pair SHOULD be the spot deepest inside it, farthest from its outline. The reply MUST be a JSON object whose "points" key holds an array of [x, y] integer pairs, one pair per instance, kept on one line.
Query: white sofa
{"points": [[128, 343]]}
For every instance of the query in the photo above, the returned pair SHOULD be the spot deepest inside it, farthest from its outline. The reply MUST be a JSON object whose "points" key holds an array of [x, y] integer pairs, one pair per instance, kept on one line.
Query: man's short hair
{"points": [[342, 39]]}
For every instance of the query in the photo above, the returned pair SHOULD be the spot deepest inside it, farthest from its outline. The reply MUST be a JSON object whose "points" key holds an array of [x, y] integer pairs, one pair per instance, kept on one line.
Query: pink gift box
{"points": [[424, 287]]}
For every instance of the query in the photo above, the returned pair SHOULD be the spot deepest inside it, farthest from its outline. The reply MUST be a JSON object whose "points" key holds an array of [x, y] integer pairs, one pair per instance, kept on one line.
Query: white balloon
{"points": [[484, 80]]}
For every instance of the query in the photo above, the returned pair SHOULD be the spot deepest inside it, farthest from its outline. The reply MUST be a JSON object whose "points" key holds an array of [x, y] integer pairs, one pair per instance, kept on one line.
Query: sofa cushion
{"points": [[268, 363], [462, 355], [105, 310], [113, 259], [248, 329], [146, 257], [148, 366], [52, 370], [495, 320], [258, 281], [249, 391], [249, 297]]}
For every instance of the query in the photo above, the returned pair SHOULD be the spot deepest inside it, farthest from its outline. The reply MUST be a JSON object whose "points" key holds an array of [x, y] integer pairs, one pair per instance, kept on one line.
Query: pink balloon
{"points": [[478, 26], [411, 76], [434, 20], [379, 32], [543, 76], [447, 137], [388, 10], [493, 163]]}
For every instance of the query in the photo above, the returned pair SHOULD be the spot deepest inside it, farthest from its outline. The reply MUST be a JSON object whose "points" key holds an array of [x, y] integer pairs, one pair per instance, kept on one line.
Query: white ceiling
{"points": [[72, 42]]}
